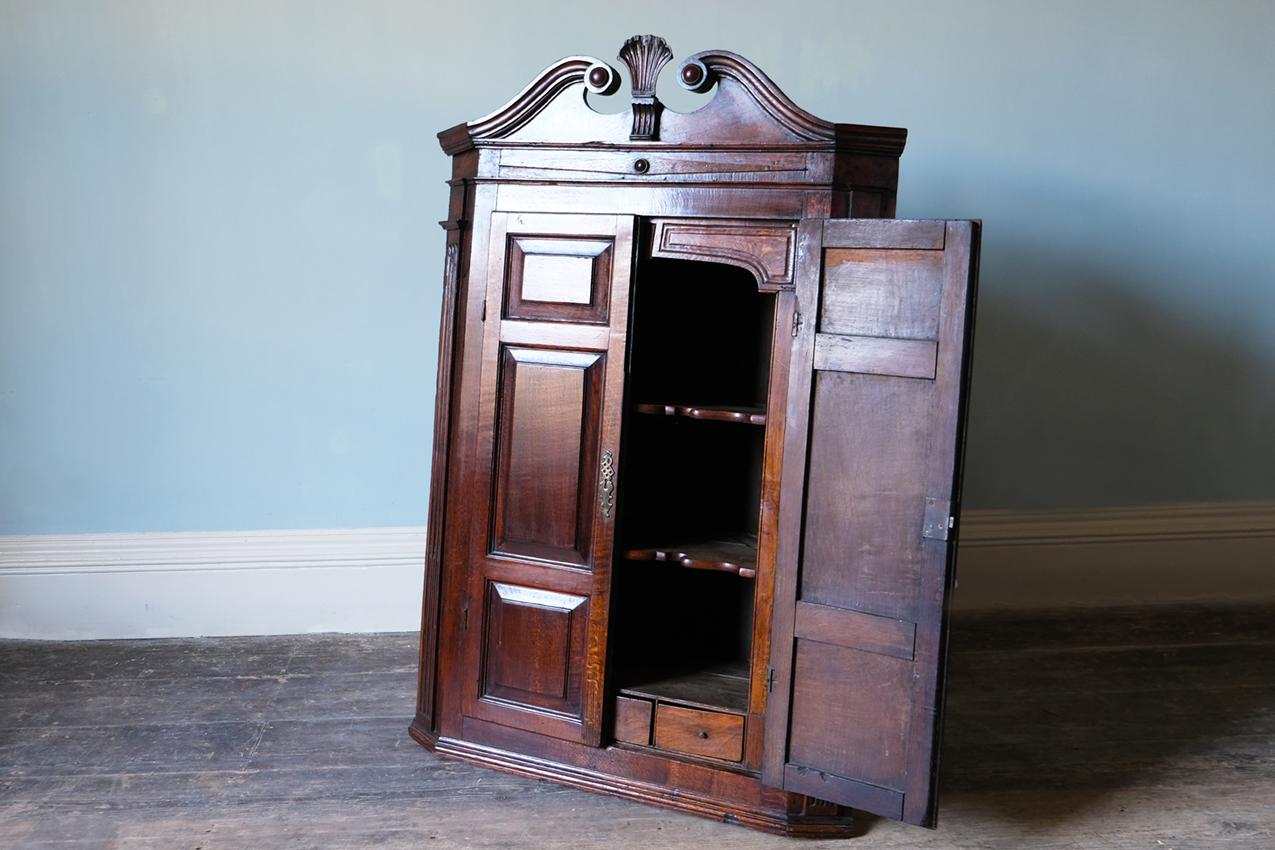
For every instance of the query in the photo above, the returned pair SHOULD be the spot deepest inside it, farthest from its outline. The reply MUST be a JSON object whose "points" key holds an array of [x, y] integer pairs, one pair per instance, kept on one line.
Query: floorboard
{"points": [[1114, 729]]}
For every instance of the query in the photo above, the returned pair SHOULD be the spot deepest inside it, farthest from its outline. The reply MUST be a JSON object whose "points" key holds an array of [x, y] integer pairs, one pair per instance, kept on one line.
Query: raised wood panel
{"points": [[767, 249], [865, 497], [559, 279], [534, 648], [865, 698], [556, 278], [882, 292], [548, 440], [874, 355]]}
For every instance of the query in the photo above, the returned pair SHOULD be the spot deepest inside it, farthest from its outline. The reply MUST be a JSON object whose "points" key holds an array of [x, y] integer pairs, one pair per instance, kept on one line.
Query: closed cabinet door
{"points": [[871, 484], [547, 444]]}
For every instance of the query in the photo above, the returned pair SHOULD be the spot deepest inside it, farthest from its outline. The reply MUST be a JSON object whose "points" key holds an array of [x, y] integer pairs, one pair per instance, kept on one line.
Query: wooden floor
{"points": [[1115, 730]]}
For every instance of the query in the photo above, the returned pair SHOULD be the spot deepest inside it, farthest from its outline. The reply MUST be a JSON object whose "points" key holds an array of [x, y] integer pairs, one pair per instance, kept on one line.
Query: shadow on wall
{"points": [[1108, 376], [1121, 358]]}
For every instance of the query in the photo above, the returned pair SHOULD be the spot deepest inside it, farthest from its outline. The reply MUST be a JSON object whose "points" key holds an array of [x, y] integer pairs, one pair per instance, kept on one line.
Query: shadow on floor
{"points": [[1055, 715]]}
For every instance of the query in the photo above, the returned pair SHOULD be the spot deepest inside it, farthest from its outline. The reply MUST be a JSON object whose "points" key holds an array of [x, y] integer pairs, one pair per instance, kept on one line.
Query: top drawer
{"points": [[662, 166]]}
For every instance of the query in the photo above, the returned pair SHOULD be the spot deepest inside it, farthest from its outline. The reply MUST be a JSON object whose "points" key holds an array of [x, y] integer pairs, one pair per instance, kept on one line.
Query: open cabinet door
{"points": [[871, 488], [542, 523]]}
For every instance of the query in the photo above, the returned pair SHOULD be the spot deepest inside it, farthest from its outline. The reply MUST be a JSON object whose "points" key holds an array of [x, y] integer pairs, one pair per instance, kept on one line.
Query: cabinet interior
{"points": [[685, 576]]}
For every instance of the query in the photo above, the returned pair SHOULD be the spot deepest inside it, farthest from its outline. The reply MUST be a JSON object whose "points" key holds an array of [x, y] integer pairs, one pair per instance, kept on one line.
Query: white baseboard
{"points": [[1220, 552], [84, 586]]}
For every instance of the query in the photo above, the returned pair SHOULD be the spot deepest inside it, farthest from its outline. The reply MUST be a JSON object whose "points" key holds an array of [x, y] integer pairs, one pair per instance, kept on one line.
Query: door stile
{"points": [[791, 499], [955, 321]]}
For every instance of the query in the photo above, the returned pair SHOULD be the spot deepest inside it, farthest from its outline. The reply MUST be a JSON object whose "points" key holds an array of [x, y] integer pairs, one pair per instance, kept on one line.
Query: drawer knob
{"points": [[641, 166], [703, 733]]}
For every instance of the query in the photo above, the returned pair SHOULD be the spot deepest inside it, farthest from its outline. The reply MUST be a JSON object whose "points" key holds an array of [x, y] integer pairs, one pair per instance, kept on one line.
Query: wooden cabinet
{"points": [[697, 452]]}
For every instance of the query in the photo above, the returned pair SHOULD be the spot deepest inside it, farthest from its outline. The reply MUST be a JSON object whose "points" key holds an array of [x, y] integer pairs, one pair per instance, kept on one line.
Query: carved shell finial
{"points": [[645, 55]]}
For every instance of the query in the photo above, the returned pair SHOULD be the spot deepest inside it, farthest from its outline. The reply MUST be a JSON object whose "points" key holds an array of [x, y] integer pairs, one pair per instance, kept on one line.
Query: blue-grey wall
{"points": [[220, 268]]}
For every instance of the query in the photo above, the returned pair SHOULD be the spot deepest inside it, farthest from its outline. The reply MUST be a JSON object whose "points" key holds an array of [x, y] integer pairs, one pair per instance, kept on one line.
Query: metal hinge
{"points": [[483, 317], [797, 320], [464, 619], [938, 522], [770, 680]]}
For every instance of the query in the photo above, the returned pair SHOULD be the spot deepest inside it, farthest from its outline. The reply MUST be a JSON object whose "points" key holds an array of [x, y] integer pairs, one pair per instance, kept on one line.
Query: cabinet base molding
{"points": [[757, 815]]}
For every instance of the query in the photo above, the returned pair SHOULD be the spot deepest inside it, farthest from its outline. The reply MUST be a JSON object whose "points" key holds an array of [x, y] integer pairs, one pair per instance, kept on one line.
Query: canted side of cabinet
{"points": [[446, 446]]}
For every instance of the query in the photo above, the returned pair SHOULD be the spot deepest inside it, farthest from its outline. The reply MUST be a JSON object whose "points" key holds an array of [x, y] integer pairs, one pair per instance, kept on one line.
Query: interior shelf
{"points": [[749, 414], [722, 688], [729, 555]]}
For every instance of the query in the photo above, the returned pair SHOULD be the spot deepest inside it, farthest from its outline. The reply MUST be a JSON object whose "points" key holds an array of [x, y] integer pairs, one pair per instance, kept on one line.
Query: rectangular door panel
{"points": [[534, 648], [873, 458], [824, 697], [866, 495], [559, 279], [547, 435], [881, 292]]}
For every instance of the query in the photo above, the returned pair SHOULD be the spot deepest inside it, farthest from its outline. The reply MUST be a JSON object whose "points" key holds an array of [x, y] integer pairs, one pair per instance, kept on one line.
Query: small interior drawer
{"points": [[699, 733], [633, 720]]}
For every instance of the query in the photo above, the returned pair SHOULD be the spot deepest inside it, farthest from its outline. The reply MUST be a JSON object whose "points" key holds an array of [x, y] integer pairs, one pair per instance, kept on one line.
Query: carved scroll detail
{"points": [[645, 55], [699, 72], [552, 81]]}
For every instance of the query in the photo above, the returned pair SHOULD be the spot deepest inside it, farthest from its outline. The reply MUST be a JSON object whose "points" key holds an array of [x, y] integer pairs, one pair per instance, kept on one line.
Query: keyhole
{"points": [[702, 734]]}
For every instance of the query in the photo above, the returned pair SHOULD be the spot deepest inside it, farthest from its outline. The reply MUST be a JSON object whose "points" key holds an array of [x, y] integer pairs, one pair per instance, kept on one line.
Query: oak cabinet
{"points": [[697, 452]]}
